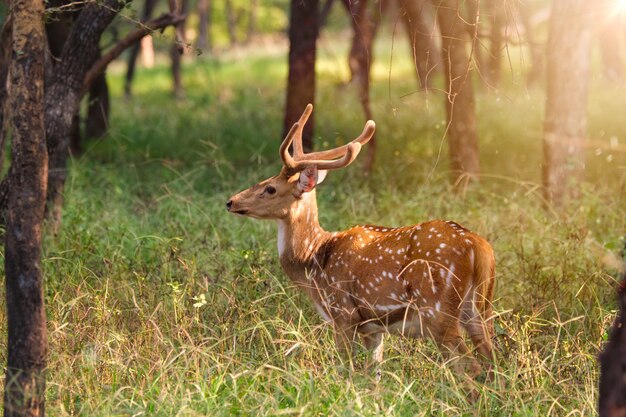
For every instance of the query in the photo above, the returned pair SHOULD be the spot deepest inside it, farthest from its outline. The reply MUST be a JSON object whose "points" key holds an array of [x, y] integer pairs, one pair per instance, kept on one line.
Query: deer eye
{"points": [[270, 190]]}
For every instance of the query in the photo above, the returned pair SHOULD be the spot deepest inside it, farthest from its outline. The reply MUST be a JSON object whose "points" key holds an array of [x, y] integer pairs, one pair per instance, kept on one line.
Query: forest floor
{"points": [[160, 303]]}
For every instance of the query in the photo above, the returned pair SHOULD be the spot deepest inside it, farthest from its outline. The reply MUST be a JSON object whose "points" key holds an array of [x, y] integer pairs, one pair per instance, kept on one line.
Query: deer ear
{"points": [[309, 178], [321, 174]]}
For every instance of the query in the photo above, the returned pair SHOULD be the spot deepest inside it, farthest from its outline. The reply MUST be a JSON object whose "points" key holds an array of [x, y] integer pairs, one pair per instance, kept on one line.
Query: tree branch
{"points": [[100, 65]]}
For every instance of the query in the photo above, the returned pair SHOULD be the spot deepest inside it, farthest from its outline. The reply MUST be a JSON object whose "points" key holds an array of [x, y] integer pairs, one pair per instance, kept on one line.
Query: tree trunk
{"points": [[252, 20], [498, 20], [303, 31], [537, 51], [459, 99], [178, 47], [364, 28], [231, 22], [27, 344], [148, 8], [566, 102], [98, 108], [612, 395], [205, 42], [5, 61], [420, 30], [63, 92]]}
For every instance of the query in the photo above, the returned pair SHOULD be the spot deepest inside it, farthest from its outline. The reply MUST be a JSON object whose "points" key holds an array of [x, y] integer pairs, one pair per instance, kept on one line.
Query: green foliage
{"points": [[160, 303]]}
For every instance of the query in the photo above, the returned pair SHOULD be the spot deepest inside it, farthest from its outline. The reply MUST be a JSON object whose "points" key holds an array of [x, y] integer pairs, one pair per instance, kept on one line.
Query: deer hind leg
{"points": [[345, 336], [478, 325], [454, 349], [374, 345]]}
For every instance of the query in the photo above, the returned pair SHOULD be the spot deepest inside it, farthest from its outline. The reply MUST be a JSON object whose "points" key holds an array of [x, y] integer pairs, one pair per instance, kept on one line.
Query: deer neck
{"points": [[300, 237]]}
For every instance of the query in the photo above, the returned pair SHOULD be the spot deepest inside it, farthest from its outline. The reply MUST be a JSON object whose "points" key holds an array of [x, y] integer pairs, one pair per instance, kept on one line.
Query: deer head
{"points": [[276, 197]]}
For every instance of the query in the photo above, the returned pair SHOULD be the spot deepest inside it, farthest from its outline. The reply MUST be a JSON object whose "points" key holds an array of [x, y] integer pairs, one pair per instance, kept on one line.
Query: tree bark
{"points": [[98, 108], [459, 100], [178, 7], [364, 28], [498, 20], [27, 345], [565, 123], [231, 22], [205, 41], [5, 62], [64, 91], [134, 51], [537, 51], [419, 30], [303, 32]]}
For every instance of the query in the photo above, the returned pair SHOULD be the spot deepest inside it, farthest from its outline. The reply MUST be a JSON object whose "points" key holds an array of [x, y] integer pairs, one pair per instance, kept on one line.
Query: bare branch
{"points": [[100, 65]]}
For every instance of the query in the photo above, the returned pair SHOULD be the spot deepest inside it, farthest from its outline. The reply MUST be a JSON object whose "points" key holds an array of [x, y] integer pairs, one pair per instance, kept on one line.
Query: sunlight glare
{"points": [[620, 6]]}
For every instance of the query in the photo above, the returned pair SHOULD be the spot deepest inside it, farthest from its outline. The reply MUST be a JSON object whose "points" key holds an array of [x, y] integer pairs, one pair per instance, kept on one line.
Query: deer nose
{"points": [[229, 204]]}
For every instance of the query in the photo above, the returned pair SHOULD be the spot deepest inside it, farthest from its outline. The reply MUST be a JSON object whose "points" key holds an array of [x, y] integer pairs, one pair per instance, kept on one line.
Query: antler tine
{"points": [[288, 161], [362, 139], [352, 151], [346, 154], [298, 151]]}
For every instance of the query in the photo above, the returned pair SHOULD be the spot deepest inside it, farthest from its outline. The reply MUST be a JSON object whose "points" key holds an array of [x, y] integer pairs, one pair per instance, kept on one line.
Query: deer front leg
{"points": [[374, 344], [344, 336]]}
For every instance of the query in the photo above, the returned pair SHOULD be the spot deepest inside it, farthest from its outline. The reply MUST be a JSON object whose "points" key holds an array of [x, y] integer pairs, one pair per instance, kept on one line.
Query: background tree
{"points": [[612, 36], [365, 23], [303, 32], [146, 14], [459, 99], [565, 123], [497, 20], [205, 40], [420, 27], [179, 46], [27, 345]]}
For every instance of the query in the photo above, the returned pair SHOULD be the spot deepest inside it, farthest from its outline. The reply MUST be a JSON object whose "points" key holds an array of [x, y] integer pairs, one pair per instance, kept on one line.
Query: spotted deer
{"points": [[428, 280]]}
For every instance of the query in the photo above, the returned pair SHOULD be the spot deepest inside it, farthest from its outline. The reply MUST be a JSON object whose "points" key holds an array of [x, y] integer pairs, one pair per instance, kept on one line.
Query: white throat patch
{"points": [[282, 237]]}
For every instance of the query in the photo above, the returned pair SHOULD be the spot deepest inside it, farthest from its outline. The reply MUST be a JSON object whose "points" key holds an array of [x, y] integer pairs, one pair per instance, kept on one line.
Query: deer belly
{"points": [[401, 322]]}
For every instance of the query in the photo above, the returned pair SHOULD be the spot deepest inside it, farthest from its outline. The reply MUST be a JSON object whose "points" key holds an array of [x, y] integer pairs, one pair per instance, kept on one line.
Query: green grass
{"points": [[160, 303]]}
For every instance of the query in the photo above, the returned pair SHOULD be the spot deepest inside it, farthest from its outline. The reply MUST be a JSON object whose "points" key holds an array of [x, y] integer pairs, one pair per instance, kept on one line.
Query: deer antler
{"points": [[331, 159]]}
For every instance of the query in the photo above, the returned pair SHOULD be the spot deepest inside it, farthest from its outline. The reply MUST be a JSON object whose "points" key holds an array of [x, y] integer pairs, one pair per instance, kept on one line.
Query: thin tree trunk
{"points": [[364, 28], [64, 91], [178, 47], [459, 99], [498, 20], [537, 51], [231, 22], [425, 56], [252, 20], [205, 42], [148, 8], [98, 108], [303, 31], [566, 101], [27, 344]]}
